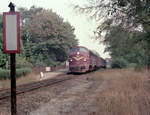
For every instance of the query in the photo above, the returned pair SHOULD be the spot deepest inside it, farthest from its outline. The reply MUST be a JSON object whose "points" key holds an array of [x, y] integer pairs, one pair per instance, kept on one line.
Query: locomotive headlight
{"points": [[71, 60], [78, 53], [84, 59]]}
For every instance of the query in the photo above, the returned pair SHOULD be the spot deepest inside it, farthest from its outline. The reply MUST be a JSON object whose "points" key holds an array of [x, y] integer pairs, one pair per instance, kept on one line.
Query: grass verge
{"points": [[4, 84], [126, 94]]}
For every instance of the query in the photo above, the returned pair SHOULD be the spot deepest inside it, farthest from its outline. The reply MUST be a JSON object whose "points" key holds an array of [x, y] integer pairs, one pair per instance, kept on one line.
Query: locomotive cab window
{"points": [[83, 50]]}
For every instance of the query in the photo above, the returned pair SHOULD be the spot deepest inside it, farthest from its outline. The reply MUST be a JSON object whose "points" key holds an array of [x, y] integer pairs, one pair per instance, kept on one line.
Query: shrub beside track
{"points": [[5, 74]]}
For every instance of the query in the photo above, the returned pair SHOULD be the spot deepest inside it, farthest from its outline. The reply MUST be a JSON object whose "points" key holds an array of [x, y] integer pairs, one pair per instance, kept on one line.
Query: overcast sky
{"points": [[84, 27]]}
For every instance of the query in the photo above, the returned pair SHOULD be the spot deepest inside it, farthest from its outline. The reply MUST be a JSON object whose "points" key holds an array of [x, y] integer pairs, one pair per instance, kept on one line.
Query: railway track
{"points": [[33, 86]]}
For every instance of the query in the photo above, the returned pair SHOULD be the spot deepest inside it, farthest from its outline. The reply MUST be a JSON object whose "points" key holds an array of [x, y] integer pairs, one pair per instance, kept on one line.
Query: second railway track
{"points": [[33, 86]]}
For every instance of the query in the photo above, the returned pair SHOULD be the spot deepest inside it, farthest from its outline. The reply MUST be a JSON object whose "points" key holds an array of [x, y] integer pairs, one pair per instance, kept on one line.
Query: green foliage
{"points": [[119, 63], [124, 48], [3, 57], [22, 62], [5, 74], [127, 27], [47, 38], [23, 71]]}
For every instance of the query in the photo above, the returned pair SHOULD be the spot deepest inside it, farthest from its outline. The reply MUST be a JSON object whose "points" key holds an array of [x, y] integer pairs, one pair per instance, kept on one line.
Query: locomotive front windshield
{"points": [[83, 50], [74, 50], [77, 49]]}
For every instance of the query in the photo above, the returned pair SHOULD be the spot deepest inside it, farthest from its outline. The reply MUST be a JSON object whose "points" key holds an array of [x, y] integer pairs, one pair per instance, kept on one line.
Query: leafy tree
{"points": [[127, 26], [46, 37], [3, 57], [122, 11], [125, 52]]}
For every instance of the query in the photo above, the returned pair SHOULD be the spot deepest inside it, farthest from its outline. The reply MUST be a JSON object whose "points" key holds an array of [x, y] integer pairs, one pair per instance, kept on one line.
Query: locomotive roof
{"points": [[91, 51], [94, 52], [82, 47]]}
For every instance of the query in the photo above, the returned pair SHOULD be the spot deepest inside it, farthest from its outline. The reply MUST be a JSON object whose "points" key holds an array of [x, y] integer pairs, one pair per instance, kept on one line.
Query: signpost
{"points": [[11, 44]]}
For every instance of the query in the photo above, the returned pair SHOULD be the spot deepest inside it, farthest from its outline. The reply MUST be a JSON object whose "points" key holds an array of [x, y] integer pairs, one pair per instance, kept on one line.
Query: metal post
{"points": [[13, 74]]}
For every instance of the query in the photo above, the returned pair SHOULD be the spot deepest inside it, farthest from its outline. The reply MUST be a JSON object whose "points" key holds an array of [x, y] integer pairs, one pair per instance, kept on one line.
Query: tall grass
{"points": [[4, 84], [126, 94]]}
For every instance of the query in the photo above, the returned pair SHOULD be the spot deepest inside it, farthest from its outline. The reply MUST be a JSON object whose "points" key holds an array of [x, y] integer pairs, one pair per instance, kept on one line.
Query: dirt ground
{"points": [[76, 100], [103, 92]]}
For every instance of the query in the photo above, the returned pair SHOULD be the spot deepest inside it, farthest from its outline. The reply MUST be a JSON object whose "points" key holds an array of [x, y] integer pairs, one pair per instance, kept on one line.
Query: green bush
{"points": [[22, 63], [119, 63], [23, 71], [132, 65], [5, 74]]}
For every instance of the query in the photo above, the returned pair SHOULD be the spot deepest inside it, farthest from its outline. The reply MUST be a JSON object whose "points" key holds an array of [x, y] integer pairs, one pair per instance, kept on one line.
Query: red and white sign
{"points": [[11, 32]]}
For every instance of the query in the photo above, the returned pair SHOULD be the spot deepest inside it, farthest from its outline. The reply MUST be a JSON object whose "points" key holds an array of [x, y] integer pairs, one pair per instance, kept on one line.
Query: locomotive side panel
{"points": [[103, 63], [95, 62]]}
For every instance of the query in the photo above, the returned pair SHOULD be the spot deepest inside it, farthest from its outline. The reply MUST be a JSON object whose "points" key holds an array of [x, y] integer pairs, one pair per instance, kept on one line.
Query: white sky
{"points": [[84, 27]]}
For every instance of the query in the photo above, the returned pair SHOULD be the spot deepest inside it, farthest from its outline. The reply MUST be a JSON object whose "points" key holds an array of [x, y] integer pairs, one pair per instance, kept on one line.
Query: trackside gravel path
{"points": [[78, 100]]}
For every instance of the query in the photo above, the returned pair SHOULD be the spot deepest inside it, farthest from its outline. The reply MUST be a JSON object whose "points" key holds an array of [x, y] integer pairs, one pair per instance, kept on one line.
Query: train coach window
{"points": [[83, 50]]}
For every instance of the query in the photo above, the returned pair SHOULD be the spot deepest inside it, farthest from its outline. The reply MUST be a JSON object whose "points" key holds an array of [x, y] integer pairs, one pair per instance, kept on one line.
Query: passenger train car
{"points": [[82, 60]]}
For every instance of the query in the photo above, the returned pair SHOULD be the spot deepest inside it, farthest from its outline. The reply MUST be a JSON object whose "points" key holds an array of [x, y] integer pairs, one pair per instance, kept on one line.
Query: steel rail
{"points": [[33, 86]]}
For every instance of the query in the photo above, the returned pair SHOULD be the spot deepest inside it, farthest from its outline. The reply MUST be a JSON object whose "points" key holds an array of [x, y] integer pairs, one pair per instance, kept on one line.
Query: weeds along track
{"points": [[35, 85]]}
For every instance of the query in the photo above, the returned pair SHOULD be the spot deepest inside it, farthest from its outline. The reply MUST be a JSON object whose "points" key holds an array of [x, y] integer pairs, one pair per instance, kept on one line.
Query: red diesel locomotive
{"points": [[82, 60]]}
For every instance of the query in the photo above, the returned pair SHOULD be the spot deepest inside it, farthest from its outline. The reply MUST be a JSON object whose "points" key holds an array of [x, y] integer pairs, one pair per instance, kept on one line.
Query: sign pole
{"points": [[13, 84], [13, 74]]}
